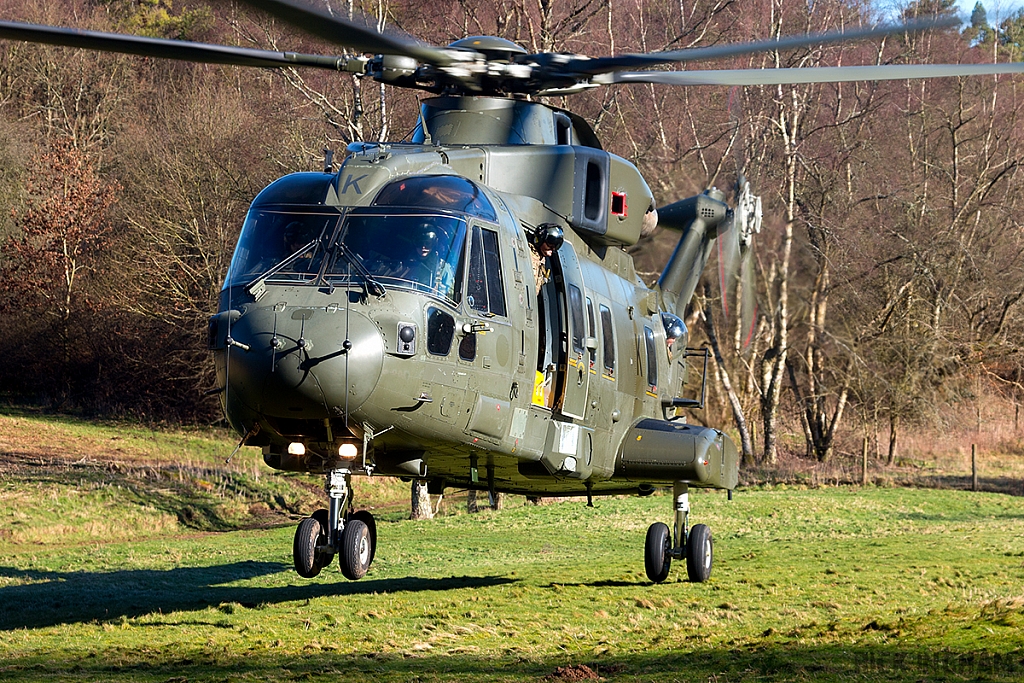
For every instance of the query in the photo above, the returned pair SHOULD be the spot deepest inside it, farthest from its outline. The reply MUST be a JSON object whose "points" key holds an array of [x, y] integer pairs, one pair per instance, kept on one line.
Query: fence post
{"points": [[864, 463], [974, 467]]}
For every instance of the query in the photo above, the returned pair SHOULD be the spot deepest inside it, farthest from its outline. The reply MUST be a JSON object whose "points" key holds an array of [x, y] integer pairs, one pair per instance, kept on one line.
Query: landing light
{"points": [[296, 448], [348, 451]]}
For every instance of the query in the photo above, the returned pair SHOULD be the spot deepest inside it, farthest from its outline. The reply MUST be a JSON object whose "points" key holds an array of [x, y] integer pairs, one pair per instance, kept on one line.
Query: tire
{"points": [[355, 552], [324, 518], [699, 553], [366, 518], [657, 559], [308, 560]]}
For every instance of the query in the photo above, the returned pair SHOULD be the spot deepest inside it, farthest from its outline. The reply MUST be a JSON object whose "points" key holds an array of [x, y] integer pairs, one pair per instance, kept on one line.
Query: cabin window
{"points": [[467, 347], [576, 313], [591, 332], [484, 290], [608, 337], [440, 332], [652, 360]]}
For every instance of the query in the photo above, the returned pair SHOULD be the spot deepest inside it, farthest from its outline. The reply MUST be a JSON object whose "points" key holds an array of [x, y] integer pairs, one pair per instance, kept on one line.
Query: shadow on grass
{"points": [[52, 598], [783, 661], [605, 583]]}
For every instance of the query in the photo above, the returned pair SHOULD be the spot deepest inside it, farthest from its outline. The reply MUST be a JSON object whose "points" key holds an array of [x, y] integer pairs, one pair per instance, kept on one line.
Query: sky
{"points": [[995, 9]]}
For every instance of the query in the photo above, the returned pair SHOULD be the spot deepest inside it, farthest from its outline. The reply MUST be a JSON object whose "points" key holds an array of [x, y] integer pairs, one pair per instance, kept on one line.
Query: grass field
{"points": [[809, 584]]}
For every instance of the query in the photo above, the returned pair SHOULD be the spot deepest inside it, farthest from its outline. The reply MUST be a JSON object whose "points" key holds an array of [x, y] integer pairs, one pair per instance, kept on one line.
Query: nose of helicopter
{"points": [[304, 363]]}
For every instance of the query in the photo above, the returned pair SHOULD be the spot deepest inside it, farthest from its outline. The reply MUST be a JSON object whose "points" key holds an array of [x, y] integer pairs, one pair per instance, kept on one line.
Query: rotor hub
{"points": [[493, 48]]}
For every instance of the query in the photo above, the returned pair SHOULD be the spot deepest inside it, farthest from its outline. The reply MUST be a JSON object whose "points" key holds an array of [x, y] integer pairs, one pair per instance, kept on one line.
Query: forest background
{"points": [[890, 266]]}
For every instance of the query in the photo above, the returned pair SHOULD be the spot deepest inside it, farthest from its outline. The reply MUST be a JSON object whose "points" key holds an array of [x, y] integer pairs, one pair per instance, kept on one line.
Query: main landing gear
{"points": [[662, 547], [352, 536]]}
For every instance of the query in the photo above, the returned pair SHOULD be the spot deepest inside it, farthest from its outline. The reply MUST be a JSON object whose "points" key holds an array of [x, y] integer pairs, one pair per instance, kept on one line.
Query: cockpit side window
{"points": [[447, 192], [485, 290]]}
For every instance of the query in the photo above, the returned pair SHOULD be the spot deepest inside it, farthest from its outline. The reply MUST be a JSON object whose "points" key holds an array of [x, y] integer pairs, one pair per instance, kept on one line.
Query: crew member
{"points": [[547, 239], [674, 329]]}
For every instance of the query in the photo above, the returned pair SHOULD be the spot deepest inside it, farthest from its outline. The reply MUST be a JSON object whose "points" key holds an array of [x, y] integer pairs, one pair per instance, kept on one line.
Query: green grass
{"points": [[808, 585], [64, 480], [59, 434]]}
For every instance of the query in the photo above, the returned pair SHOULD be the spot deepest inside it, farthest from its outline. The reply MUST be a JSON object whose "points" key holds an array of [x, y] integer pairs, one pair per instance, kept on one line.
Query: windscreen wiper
{"points": [[372, 285], [255, 288]]}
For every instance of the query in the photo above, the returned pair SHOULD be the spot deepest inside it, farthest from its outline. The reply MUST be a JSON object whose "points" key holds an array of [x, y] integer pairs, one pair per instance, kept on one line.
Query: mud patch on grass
{"points": [[574, 672]]}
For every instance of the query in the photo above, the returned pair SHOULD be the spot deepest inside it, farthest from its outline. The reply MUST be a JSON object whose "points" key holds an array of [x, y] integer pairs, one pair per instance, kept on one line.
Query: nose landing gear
{"points": [[352, 536], [696, 545]]}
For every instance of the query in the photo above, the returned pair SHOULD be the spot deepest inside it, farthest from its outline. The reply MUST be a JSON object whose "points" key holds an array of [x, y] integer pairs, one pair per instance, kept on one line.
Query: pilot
{"points": [[295, 237], [292, 238], [425, 264], [547, 239], [674, 329]]}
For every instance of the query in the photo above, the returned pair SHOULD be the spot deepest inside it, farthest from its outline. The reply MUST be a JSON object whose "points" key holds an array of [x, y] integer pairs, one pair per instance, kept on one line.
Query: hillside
{"points": [[73, 481]]}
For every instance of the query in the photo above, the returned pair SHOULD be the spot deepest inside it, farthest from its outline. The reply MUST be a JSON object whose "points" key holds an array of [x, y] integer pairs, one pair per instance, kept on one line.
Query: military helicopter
{"points": [[387, 317]]}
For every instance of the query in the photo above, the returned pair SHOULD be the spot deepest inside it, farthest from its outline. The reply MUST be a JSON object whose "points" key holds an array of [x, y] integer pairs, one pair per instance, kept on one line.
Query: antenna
{"points": [[423, 125]]}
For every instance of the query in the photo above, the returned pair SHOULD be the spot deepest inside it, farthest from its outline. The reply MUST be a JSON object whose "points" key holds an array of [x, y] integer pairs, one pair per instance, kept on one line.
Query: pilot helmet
{"points": [[292, 233], [428, 238], [549, 234], [674, 326]]}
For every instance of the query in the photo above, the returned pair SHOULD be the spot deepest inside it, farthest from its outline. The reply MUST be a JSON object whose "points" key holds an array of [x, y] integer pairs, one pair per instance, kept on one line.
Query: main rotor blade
{"points": [[821, 74], [601, 65], [340, 31], [166, 49]]}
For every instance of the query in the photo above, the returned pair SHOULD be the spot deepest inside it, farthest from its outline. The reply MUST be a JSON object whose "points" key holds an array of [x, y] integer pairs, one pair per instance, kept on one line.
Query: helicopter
{"points": [[460, 308]]}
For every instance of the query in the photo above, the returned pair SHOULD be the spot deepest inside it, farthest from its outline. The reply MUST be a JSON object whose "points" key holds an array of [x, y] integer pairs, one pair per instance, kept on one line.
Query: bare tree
{"points": [[420, 505], [62, 229], [738, 413]]}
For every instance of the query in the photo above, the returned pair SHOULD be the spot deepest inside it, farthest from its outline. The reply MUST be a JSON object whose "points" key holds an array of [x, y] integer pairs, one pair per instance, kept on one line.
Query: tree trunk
{"points": [[746, 443], [894, 424], [774, 361], [421, 508]]}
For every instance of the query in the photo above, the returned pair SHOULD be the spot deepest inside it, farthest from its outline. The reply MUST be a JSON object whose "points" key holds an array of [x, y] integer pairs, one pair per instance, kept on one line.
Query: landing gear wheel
{"points": [[657, 556], [324, 517], [308, 560], [366, 518], [356, 550], [699, 553]]}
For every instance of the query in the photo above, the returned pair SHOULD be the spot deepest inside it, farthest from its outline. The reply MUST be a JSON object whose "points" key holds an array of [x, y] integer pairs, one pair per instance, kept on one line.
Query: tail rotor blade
{"points": [[728, 264], [748, 298], [736, 258]]}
